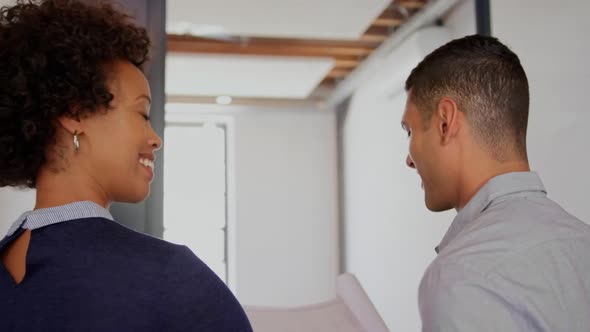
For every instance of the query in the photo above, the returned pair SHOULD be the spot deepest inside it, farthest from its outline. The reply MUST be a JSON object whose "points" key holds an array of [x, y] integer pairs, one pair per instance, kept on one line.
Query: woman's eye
{"points": [[146, 117]]}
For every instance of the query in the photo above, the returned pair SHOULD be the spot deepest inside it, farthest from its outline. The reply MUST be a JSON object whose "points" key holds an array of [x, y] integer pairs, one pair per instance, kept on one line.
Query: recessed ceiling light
{"points": [[223, 100]]}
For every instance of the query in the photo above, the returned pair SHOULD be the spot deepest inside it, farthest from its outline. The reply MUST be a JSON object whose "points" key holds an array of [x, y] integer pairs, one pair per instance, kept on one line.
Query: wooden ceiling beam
{"points": [[373, 38], [387, 22], [389, 18], [338, 73], [271, 46], [391, 12], [379, 30], [343, 63], [411, 4], [329, 82]]}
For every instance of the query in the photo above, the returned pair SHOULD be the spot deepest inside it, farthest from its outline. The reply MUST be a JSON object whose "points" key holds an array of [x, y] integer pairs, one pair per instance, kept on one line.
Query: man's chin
{"points": [[437, 206]]}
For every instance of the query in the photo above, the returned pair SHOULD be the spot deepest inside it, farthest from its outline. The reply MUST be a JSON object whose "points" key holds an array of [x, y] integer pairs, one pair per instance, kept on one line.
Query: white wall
{"points": [[13, 202], [551, 39], [460, 20], [390, 235], [286, 207], [285, 180]]}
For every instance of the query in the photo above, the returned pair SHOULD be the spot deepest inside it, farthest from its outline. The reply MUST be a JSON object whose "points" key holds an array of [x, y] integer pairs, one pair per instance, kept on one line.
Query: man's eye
{"points": [[409, 133], [146, 117]]}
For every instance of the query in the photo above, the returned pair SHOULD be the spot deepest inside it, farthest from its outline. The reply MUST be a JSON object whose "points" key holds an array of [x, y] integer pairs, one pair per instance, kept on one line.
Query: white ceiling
{"points": [[244, 76], [320, 19], [257, 76]]}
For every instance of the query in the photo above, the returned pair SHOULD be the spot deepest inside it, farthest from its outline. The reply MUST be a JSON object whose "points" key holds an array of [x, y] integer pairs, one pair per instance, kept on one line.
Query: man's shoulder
{"points": [[515, 212], [503, 278], [510, 229], [515, 232]]}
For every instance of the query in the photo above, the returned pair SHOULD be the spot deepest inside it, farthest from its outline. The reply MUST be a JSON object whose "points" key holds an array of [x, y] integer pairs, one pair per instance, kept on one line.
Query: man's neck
{"points": [[480, 174]]}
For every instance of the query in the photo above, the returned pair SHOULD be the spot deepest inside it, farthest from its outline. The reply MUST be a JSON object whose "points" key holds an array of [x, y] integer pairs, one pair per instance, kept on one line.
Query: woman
{"points": [[74, 124]]}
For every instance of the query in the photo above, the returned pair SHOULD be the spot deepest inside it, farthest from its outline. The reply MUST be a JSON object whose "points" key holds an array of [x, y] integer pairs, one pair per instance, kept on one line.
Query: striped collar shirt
{"points": [[58, 214]]}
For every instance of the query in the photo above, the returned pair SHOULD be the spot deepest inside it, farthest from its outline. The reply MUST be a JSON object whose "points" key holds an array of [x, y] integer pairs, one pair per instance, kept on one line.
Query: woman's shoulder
{"points": [[189, 286], [130, 243], [118, 260], [110, 243]]}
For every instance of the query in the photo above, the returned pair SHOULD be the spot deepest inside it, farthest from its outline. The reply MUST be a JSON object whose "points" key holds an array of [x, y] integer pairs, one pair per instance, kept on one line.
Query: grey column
{"points": [[147, 217]]}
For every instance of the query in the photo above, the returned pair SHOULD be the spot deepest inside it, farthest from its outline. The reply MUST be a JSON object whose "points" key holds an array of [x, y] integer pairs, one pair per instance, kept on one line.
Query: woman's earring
{"points": [[76, 141]]}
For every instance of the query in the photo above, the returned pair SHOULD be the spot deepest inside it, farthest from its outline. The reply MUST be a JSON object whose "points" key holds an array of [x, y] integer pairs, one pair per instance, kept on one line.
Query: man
{"points": [[512, 260]]}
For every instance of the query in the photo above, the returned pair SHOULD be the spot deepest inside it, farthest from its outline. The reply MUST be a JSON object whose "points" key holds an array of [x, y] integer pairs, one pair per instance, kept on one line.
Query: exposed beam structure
{"points": [[387, 22], [270, 46], [347, 54], [411, 4]]}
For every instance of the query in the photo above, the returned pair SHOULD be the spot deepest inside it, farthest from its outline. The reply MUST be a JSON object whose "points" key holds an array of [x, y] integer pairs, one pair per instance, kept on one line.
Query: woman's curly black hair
{"points": [[54, 56]]}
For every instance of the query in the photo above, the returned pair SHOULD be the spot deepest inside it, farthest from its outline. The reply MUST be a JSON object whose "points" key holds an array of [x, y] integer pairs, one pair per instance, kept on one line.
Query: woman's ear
{"points": [[70, 124]]}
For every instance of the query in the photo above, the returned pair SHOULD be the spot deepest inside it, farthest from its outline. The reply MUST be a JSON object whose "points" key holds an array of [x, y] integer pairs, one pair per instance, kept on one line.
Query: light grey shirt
{"points": [[512, 260]]}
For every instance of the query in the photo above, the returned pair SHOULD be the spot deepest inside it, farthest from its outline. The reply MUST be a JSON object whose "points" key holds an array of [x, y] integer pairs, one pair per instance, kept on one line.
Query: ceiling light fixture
{"points": [[223, 100]]}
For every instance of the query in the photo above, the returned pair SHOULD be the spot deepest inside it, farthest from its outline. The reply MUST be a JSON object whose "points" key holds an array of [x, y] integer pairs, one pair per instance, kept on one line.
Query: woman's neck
{"points": [[64, 187]]}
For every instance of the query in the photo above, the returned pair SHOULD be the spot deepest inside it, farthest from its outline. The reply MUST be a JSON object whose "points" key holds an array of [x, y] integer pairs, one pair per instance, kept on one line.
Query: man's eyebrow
{"points": [[144, 97], [404, 127]]}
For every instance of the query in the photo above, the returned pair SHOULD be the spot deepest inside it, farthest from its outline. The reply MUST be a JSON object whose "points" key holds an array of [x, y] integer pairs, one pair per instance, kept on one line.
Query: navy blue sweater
{"points": [[95, 275]]}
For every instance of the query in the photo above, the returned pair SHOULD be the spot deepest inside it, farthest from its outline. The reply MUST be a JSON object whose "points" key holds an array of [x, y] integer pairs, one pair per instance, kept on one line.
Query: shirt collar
{"points": [[53, 215], [497, 187]]}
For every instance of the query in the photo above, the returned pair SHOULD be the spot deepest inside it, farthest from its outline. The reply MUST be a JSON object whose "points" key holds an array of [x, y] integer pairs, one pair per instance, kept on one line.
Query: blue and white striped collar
{"points": [[53, 215]]}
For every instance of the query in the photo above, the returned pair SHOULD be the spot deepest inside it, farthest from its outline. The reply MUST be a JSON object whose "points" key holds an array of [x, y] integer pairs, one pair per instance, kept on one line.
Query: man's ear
{"points": [[447, 119]]}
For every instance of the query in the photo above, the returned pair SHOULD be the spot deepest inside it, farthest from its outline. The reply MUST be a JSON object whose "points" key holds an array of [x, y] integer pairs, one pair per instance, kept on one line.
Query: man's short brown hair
{"points": [[486, 80]]}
